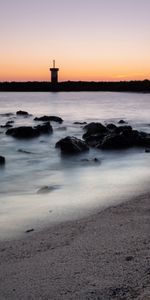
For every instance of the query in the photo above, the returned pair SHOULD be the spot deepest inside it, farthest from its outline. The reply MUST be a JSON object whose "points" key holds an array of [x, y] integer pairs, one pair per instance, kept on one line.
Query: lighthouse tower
{"points": [[54, 73]]}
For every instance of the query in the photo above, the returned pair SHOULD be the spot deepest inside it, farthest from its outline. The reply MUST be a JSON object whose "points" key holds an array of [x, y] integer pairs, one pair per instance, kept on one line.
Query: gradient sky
{"points": [[90, 39]]}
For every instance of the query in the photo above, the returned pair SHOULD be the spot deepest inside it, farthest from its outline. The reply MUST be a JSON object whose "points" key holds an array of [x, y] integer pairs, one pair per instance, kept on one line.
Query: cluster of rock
{"points": [[95, 135], [114, 137], [26, 132]]}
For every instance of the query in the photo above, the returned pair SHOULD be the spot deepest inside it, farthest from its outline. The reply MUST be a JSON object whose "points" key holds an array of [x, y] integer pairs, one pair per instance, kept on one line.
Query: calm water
{"points": [[73, 188]]}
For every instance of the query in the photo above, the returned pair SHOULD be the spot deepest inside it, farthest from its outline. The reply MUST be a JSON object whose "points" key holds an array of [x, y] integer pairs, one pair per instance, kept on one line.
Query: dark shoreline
{"points": [[76, 86]]}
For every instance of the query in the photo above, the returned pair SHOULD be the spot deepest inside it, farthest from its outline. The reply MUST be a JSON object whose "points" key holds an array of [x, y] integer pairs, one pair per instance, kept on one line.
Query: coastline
{"points": [[103, 256]]}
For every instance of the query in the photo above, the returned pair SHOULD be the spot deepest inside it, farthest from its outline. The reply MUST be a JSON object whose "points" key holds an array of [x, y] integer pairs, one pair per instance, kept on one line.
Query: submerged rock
{"points": [[122, 122], [47, 189], [71, 145], [30, 132], [29, 230], [22, 113], [49, 118], [80, 123], [7, 125], [2, 160]]}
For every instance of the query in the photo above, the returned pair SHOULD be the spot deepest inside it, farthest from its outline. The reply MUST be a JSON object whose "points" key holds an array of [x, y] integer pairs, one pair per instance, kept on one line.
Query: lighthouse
{"points": [[54, 73]]}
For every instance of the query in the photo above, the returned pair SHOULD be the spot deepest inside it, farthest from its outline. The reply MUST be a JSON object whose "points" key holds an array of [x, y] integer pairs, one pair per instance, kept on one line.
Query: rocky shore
{"points": [[104, 256]]}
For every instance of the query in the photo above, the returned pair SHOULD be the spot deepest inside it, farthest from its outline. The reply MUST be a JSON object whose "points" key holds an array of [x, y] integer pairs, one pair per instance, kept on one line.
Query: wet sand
{"points": [[104, 256]]}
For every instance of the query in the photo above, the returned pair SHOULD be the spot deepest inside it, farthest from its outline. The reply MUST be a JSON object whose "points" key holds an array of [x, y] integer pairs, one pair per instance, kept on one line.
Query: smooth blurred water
{"points": [[74, 187]]}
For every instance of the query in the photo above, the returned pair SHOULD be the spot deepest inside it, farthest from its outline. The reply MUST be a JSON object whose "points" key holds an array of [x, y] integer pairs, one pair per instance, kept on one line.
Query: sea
{"points": [[39, 187]]}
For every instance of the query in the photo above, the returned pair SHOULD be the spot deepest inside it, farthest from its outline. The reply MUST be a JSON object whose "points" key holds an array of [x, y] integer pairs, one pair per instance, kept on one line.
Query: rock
{"points": [[124, 128], [30, 132], [29, 230], [95, 132], [22, 113], [7, 114], [49, 118], [10, 122], [7, 125], [95, 128], [111, 126], [80, 123], [71, 145], [2, 160], [47, 189], [114, 141], [122, 122], [147, 150]]}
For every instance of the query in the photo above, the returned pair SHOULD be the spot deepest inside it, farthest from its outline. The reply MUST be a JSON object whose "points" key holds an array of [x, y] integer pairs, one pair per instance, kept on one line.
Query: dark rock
{"points": [[114, 141], [124, 128], [6, 126], [22, 113], [29, 230], [49, 118], [71, 145], [10, 122], [48, 189], [122, 122], [7, 114], [147, 150], [111, 126], [95, 132], [2, 160], [44, 128], [95, 128], [80, 123], [30, 132]]}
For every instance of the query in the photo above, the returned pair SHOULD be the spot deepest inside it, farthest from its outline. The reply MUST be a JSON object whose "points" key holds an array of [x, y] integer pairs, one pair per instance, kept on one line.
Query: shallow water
{"points": [[38, 186]]}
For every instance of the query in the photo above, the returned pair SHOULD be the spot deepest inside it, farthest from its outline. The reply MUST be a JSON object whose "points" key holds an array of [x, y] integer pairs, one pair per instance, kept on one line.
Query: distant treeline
{"points": [[36, 86]]}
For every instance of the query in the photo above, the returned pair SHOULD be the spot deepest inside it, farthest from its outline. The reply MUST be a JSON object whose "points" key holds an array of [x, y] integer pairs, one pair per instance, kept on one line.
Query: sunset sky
{"points": [[90, 39]]}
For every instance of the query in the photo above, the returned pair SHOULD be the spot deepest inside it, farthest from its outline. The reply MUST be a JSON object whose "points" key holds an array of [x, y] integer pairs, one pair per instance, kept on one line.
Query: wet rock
{"points": [[94, 128], [71, 145], [30, 132], [22, 113], [111, 126], [29, 230], [10, 122], [122, 122], [6, 115], [2, 160], [48, 189], [114, 141], [124, 128], [80, 123], [7, 125], [49, 118]]}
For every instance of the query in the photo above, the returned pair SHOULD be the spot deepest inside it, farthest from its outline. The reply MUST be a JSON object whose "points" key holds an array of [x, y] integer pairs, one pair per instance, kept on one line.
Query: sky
{"points": [[94, 40]]}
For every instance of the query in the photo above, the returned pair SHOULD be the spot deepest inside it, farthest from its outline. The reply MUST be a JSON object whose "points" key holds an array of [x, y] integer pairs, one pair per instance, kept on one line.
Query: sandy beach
{"points": [[103, 256]]}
